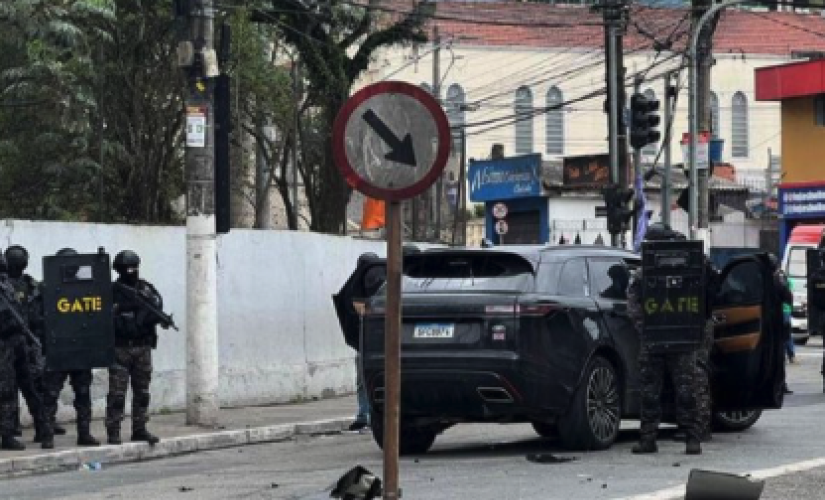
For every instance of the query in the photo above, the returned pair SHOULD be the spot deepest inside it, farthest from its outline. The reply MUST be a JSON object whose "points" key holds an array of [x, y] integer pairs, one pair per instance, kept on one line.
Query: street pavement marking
{"points": [[678, 492]]}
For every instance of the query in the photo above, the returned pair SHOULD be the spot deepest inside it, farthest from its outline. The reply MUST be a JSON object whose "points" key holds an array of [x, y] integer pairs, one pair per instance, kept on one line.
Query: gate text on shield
{"points": [[77, 307]]}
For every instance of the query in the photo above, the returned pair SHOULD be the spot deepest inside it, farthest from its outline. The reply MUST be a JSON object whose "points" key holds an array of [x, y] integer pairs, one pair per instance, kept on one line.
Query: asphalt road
{"points": [[477, 462]]}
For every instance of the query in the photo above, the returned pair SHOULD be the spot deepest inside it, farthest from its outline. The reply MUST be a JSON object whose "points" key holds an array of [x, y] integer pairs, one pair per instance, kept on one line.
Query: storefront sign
{"points": [[590, 170], [801, 201], [508, 178]]}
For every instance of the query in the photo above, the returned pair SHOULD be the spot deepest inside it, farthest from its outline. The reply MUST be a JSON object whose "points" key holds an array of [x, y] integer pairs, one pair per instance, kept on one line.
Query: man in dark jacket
{"points": [[135, 337], [29, 361]]}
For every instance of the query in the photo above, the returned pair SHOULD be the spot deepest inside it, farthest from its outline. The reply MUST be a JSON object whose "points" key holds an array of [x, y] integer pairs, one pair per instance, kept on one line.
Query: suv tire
{"points": [[411, 440], [593, 418]]}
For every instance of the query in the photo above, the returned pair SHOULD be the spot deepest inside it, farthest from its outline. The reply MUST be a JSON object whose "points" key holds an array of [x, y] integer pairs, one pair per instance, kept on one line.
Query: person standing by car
{"points": [[784, 296], [653, 365]]}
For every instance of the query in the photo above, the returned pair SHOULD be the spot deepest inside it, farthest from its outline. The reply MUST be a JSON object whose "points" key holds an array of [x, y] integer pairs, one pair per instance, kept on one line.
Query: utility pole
{"points": [[614, 14], [438, 186], [665, 191], [197, 57], [704, 55]]}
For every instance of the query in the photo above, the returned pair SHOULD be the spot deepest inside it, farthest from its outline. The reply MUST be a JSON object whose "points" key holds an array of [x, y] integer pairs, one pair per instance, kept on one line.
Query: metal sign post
{"points": [[382, 142]]}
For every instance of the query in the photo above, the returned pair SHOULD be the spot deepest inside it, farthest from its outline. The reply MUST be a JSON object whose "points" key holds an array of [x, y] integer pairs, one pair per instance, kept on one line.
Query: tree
{"points": [[101, 138], [335, 42], [44, 133], [263, 119]]}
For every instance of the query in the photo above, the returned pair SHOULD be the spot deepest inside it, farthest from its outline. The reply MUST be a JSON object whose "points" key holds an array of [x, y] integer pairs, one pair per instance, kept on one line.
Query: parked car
{"points": [[541, 335], [802, 238]]}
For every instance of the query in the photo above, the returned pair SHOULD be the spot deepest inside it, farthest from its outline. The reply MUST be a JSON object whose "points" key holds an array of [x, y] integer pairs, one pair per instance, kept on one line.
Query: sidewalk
{"points": [[237, 427]]}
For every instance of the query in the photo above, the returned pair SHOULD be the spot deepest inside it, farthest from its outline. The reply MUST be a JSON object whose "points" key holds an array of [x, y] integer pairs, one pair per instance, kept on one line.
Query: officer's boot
{"points": [[10, 443], [646, 445], [141, 434], [58, 429], [692, 444], [43, 435], [84, 436], [113, 435]]}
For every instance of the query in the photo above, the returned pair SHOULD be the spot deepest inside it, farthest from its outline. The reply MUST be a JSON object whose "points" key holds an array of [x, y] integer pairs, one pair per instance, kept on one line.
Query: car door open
{"points": [[748, 355]]}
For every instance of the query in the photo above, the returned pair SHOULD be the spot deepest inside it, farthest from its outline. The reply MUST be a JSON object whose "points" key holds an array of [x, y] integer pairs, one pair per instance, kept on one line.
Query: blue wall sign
{"points": [[802, 201], [799, 203], [506, 179]]}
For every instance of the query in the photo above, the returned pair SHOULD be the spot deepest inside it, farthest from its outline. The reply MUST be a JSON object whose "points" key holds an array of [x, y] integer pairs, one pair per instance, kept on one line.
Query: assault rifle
{"points": [[166, 320], [6, 303]]}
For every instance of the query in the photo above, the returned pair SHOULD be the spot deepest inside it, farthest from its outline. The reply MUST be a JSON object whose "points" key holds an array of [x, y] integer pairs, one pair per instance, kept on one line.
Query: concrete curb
{"points": [[168, 447]]}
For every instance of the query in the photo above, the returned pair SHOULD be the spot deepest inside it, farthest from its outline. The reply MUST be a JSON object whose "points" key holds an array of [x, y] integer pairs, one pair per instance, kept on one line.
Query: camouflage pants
{"points": [[682, 369], [29, 365], [8, 387], [81, 382], [131, 364], [704, 404]]}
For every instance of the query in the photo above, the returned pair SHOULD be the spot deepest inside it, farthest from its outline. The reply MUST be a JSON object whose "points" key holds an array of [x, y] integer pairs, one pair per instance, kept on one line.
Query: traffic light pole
{"points": [[612, 11], [665, 191], [637, 157]]}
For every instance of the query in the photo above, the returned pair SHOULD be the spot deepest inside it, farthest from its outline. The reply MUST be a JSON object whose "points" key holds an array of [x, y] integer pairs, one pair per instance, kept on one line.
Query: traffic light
{"points": [[617, 200], [644, 119]]}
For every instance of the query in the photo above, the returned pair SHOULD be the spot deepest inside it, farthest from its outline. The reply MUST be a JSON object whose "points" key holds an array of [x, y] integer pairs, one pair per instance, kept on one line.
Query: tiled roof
{"points": [[543, 25]]}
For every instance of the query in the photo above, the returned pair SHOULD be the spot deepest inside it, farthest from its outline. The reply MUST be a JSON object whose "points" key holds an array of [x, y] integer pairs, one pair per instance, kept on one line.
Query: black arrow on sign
{"points": [[400, 151]]}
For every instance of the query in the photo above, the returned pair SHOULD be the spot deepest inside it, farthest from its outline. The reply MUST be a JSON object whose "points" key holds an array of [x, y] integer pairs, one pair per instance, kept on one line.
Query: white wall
{"points": [[278, 333]]}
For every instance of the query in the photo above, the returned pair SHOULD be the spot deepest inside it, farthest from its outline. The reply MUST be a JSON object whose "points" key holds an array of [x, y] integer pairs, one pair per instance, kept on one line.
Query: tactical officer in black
{"points": [[81, 382], [135, 337], [653, 366], [10, 337], [29, 363]]}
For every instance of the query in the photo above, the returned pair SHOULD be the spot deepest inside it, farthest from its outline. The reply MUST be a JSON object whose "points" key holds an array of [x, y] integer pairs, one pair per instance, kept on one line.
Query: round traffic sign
{"points": [[499, 210], [391, 140], [501, 227]]}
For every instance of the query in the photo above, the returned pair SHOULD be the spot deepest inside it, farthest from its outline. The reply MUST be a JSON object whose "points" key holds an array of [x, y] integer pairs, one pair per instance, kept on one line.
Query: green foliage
{"points": [[90, 110]]}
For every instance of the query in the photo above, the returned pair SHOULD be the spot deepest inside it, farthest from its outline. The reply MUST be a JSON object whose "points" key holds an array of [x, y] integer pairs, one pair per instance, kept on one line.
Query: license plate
{"points": [[434, 331]]}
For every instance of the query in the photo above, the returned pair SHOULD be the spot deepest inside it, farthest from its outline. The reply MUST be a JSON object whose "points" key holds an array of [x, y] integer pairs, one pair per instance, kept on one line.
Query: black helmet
{"points": [[659, 231], [124, 260], [17, 259], [66, 252]]}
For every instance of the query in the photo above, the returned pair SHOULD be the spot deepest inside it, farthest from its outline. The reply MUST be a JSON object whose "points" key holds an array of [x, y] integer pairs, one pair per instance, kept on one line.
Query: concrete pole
{"points": [[696, 231], [613, 117], [201, 276], [693, 118]]}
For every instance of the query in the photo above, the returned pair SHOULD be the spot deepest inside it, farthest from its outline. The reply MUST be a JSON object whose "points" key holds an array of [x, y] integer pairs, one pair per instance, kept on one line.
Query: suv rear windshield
{"points": [[472, 271]]}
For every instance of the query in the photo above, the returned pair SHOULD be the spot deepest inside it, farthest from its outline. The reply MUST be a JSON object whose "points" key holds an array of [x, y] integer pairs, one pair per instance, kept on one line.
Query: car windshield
{"points": [[472, 271], [797, 266]]}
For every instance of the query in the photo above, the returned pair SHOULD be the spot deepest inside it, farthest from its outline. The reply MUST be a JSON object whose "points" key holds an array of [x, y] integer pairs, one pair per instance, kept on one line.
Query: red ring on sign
{"points": [[339, 150]]}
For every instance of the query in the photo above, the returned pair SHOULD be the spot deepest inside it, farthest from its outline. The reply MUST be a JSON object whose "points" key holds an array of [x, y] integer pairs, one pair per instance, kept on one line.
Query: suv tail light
{"points": [[540, 309]]}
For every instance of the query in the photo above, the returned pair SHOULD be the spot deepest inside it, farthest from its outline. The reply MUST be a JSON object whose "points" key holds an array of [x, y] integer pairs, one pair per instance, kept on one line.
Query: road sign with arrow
{"points": [[391, 140]]}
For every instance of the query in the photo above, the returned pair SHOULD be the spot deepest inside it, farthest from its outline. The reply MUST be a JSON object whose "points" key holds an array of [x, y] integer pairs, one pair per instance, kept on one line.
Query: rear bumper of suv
{"points": [[490, 389]]}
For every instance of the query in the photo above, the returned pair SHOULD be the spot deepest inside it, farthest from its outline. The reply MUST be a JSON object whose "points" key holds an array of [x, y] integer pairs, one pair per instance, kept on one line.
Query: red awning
{"points": [[800, 79]]}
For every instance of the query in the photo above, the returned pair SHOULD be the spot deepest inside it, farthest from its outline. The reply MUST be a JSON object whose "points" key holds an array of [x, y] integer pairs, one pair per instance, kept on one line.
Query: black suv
{"points": [[541, 335]]}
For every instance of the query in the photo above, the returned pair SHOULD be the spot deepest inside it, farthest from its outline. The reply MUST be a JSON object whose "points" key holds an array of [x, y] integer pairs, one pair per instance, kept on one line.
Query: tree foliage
{"points": [[335, 41]]}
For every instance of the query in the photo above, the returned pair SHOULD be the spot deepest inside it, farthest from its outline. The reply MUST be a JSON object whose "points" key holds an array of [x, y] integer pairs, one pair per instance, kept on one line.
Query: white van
{"points": [[795, 266]]}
